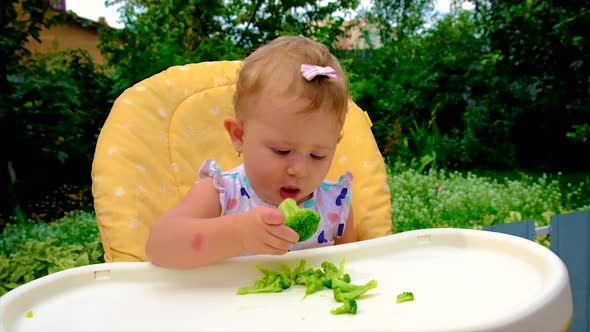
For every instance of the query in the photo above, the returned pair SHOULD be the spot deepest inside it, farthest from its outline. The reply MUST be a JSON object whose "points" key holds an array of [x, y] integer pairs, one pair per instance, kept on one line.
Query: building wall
{"points": [[68, 36], [355, 36]]}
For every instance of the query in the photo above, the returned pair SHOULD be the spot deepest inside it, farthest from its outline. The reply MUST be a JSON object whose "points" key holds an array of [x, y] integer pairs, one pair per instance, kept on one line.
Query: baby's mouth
{"points": [[289, 192]]}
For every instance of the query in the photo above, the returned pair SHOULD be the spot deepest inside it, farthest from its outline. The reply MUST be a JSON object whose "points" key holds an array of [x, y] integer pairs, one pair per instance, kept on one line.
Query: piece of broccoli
{"points": [[272, 282], [314, 284], [348, 307], [345, 291], [331, 272], [405, 297], [328, 276], [300, 268], [312, 279], [261, 287], [303, 221]]}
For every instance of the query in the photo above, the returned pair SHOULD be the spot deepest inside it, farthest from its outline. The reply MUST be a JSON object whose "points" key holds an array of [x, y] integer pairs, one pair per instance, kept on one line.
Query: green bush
{"points": [[503, 88], [465, 200], [29, 251], [60, 103]]}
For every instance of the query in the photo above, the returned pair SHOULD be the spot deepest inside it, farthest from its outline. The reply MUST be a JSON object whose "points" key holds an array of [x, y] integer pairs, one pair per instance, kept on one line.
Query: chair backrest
{"points": [[161, 130]]}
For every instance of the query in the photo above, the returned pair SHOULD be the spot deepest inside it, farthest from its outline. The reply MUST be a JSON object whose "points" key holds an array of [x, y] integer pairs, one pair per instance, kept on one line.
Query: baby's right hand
{"points": [[263, 232]]}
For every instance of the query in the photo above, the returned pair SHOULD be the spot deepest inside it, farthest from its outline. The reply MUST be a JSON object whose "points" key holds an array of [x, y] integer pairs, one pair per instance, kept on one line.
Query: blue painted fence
{"points": [[570, 240]]}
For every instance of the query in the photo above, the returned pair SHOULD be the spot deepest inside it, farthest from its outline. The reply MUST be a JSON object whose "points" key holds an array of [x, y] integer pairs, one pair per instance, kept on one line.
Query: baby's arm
{"points": [[193, 234], [349, 230]]}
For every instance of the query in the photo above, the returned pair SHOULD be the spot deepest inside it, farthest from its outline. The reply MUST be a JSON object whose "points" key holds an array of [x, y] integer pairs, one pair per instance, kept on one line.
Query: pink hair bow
{"points": [[311, 71]]}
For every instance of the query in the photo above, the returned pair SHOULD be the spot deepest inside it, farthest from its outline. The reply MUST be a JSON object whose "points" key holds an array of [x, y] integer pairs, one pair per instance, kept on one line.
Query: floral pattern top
{"points": [[331, 200]]}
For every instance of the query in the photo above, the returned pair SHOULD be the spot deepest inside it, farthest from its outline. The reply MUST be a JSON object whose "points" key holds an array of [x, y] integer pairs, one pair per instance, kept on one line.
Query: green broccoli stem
{"points": [[272, 282], [348, 307], [275, 287], [289, 207], [344, 291], [405, 297], [314, 285], [348, 287]]}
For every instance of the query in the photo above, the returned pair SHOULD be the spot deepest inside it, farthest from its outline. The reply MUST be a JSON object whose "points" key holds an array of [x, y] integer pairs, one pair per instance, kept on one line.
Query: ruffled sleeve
{"points": [[209, 169]]}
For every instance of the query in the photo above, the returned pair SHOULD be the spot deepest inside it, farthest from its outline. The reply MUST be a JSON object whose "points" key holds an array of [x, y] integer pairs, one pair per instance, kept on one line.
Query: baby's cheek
{"points": [[197, 241]]}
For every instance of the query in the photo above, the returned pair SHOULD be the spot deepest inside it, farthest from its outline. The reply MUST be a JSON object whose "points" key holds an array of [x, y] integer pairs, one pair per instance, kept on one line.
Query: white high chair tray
{"points": [[462, 280]]}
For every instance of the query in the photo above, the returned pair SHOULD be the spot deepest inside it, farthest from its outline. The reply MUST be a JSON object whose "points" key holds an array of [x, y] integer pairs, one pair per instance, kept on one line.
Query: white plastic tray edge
{"points": [[551, 291]]}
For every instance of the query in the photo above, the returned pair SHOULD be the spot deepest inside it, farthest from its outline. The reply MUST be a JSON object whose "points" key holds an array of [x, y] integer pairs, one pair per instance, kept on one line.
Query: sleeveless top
{"points": [[331, 200]]}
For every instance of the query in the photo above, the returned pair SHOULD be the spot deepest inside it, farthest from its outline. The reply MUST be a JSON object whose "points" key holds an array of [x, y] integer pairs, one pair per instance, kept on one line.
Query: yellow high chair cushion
{"points": [[161, 130]]}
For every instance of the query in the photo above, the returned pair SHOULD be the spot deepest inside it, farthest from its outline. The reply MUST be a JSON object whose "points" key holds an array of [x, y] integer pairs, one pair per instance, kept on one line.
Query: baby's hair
{"points": [[276, 68]]}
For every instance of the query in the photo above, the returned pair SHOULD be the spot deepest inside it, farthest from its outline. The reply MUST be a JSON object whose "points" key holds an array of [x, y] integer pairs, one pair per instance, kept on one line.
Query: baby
{"points": [[290, 104]]}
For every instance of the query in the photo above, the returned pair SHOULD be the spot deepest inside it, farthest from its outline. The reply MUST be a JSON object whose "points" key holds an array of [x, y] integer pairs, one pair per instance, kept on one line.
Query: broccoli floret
{"points": [[346, 278], [312, 279], [303, 221], [272, 282], [270, 276], [331, 272], [260, 287], [348, 307], [300, 268], [314, 284], [405, 297], [344, 291]]}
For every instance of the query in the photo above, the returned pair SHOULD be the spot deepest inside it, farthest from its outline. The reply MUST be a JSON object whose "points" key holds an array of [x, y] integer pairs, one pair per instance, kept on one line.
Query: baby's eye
{"points": [[281, 152], [317, 157]]}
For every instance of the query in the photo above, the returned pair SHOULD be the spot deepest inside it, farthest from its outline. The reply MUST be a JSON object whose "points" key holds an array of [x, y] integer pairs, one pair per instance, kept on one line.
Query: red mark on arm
{"points": [[197, 241]]}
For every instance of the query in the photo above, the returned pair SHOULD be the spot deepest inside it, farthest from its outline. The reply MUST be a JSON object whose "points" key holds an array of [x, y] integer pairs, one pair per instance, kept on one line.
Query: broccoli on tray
{"points": [[317, 279], [344, 291], [329, 276], [405, 297], [348, 307], [303, 221], [272, 282]]}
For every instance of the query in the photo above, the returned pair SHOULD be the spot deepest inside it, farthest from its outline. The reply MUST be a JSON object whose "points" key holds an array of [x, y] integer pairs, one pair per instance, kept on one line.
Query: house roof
{"points": [[69, 17]]}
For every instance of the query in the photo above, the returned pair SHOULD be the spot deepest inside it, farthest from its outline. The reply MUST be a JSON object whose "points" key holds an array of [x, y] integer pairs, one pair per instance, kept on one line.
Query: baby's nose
{"points": [[297, 168]]}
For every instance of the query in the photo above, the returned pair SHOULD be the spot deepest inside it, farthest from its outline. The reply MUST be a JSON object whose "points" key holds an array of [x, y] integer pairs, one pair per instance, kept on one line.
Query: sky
{"points": [[93, 9]]}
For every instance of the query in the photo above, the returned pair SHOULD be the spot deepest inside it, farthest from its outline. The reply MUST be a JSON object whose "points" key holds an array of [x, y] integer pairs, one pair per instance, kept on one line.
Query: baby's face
{"points": [[287, 151]]}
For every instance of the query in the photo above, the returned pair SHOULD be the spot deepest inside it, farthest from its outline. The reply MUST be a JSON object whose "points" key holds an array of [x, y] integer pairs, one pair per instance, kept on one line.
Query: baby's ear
{"points": [[340, 137], [235, 130]]}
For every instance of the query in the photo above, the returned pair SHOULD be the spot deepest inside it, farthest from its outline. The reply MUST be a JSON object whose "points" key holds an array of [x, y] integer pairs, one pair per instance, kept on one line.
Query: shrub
{"points": [[29, 251], [60, 103], [465, 200]]}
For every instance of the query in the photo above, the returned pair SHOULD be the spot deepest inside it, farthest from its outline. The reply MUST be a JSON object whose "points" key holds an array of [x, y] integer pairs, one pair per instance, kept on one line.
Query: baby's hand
{"points": [[264, 232]]}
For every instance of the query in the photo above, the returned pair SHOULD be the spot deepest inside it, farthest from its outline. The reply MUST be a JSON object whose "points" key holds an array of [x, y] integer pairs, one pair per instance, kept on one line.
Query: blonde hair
{"points": [[276, 68]]}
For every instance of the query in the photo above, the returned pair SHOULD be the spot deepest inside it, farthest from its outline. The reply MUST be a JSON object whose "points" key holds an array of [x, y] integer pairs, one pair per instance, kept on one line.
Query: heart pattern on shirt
{"points": [[333, 217], [232, 203]]}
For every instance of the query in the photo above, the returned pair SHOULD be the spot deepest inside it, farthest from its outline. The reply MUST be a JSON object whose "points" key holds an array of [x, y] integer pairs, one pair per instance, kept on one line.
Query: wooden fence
{"points": [[570, 240]]}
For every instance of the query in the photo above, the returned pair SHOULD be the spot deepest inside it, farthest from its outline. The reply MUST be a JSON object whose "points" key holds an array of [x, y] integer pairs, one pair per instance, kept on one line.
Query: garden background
{"points": [[482, 115]]}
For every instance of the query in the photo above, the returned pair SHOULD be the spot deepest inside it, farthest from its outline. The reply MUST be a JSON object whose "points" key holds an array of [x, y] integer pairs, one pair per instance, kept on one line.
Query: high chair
{"points": [[160, 131]]}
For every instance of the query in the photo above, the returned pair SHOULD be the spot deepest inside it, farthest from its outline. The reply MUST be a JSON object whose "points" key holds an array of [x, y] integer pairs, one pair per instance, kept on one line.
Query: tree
{"points": [[542, 49], [160, 34], [20, 21], [255, 22], [398, 19]]}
